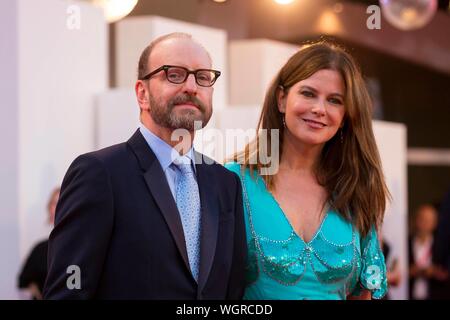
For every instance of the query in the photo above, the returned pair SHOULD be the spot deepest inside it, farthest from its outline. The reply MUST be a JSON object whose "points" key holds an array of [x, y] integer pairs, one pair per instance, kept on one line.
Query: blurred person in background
{"points": [[34, 271], [424, 276], [441, 254]]}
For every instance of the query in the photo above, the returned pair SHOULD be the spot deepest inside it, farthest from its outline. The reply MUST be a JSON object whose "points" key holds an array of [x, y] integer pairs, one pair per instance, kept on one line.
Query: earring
{"points": [[284, 120], [342, 137]]}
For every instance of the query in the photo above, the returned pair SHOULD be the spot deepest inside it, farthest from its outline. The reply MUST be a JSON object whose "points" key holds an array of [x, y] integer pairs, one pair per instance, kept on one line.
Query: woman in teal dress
{"points": [[313, 205]]}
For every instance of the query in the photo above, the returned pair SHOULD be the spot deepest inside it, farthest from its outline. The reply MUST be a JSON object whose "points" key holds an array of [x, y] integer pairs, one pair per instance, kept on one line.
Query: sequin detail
{"points": [[337, 267]]}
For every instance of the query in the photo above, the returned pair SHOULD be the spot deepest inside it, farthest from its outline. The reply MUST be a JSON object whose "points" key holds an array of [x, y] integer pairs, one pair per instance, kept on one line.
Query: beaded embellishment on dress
{"points": [[286, 261], [335, 263]]}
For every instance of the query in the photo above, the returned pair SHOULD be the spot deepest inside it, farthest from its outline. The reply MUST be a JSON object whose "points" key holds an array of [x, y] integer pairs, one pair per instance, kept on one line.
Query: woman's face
{"points": [[314, 107]]}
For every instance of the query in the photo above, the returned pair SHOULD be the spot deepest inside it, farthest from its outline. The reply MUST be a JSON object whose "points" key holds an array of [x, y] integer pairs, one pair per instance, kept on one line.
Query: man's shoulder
{"points": [[40, 247], [108, 156], [117, 151], [233, 166], [108, 153], [218, 169]]}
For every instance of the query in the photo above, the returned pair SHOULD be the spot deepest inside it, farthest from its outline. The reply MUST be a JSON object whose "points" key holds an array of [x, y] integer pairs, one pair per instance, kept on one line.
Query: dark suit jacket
{"points": [[442, 250], [118, 222], [434, 286], [441, 254]]}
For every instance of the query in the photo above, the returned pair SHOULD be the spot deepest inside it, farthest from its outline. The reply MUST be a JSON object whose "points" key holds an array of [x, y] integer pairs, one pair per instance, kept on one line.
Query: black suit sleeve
{"points": [[31, 268], [236, 284], [83, 226]]}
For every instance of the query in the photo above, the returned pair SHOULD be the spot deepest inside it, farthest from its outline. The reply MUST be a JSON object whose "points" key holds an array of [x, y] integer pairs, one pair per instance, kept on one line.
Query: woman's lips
{"points": [[314, 124]]}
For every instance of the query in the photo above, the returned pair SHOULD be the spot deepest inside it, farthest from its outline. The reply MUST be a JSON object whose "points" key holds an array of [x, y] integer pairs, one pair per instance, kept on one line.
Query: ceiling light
{"points": [[409, 14], [284, 1], [115, 9]]}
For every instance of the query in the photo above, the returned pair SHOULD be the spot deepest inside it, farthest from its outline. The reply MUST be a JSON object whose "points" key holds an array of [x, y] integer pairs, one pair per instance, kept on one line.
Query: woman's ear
{"points": [[281, 99]]}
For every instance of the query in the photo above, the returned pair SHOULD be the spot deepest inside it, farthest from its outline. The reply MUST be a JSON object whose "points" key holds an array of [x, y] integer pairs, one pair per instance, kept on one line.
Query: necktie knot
{"points": [[183, 164]]}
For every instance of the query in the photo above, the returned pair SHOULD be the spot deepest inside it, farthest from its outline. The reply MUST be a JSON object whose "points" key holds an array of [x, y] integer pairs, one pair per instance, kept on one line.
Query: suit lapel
{"points": [[209, 218], [159, 188]]}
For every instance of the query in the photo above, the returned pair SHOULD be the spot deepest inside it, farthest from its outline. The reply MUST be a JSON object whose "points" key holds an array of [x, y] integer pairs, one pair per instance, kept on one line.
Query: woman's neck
{"points": [[299, 157]]}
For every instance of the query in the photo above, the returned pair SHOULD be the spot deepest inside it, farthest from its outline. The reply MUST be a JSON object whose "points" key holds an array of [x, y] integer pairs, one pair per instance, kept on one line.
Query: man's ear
{"points": [[281, 99], [141, 95]]}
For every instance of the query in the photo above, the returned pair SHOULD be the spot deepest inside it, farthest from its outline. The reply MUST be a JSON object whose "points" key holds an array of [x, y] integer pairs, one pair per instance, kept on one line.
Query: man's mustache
{"points": [[184, 98]]}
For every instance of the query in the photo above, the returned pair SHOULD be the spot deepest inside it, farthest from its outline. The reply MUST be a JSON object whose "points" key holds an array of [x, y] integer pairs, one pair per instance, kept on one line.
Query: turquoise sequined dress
{"points": [[336, 262]]}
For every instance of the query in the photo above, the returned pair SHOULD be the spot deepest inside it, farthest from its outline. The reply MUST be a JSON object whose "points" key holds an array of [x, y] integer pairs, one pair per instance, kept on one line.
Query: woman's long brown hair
{"points": [[350, 170]]}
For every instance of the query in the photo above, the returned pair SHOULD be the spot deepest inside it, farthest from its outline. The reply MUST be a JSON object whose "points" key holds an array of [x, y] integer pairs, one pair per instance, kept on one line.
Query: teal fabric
{"points": [[336, 262]]}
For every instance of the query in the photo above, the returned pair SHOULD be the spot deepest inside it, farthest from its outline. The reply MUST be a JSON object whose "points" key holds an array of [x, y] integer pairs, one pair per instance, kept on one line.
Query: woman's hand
{"points": [[365, 295], [34, 290]]}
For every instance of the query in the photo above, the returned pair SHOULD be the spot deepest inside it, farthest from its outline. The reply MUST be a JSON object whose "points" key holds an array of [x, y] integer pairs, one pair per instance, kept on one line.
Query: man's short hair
{"points": [[143, 60]]}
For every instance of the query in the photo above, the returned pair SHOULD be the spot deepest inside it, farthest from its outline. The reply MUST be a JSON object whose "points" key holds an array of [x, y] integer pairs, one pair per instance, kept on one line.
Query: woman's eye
{"points": [[308, 94], [335, 101]]}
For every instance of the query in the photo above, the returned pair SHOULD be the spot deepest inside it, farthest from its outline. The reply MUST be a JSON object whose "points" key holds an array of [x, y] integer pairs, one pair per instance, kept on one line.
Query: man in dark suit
{"points": [[152, 218]]}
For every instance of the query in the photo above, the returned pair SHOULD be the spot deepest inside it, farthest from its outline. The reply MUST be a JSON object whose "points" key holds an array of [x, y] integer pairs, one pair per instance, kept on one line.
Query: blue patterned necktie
{"points": [[188, 203]]}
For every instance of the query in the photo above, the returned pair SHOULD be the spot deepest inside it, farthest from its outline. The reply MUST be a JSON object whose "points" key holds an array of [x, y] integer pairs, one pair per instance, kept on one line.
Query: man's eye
{"points": [[203, 76], [174, 75]]}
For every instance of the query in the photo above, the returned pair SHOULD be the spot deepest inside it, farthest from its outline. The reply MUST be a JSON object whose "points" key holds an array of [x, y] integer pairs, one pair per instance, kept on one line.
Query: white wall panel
{"points": [[253, 65], [56, 73], [9, 138], [117, 116], [392, 144]]}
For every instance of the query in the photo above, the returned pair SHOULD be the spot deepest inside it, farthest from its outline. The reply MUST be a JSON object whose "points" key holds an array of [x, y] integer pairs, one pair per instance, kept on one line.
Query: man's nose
{"points": [[190, 85]]}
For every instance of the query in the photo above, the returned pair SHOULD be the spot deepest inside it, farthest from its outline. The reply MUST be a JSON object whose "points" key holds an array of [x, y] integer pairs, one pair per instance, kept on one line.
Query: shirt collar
{"points": [[163, 151]]}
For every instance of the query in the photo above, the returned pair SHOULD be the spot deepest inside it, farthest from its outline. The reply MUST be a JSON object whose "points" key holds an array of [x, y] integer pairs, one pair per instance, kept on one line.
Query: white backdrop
{"points": [[392, 144], [9, 115], [253, 65], [49, 112]]}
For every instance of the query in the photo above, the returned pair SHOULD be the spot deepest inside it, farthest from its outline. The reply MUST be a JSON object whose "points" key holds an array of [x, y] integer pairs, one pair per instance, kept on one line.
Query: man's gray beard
{"points": [[165, 116]]}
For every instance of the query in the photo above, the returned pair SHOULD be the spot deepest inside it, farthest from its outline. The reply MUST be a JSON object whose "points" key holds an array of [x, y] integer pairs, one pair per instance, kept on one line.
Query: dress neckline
{"points": [[293, 231]]}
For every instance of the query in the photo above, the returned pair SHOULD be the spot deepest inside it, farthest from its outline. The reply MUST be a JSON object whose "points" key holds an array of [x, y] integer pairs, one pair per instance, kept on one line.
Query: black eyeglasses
{"points": [[178, 75]]}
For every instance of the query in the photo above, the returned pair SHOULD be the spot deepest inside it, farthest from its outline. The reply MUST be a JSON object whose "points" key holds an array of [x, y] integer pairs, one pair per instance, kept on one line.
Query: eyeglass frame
{"points": [[166, 67]]}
